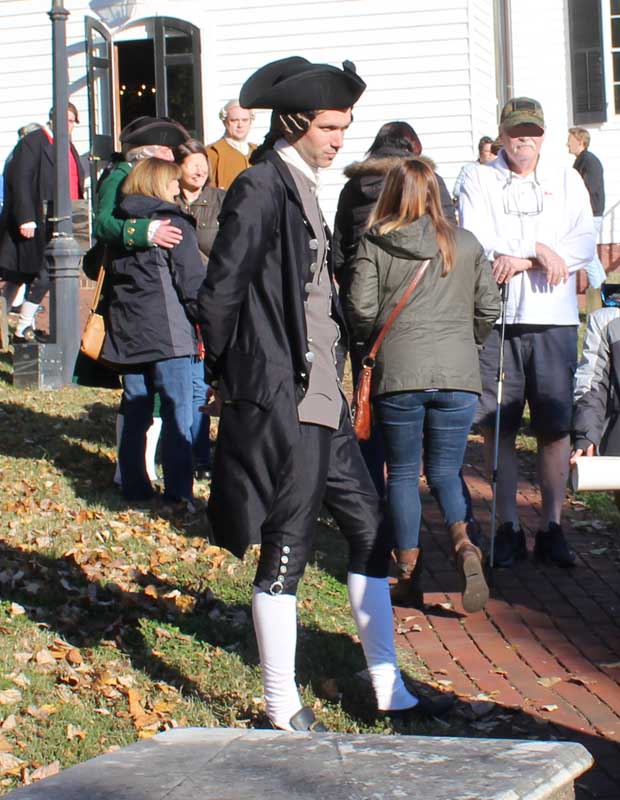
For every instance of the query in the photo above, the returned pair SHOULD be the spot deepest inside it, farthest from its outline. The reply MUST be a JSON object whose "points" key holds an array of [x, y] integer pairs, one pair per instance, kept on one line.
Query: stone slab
{"points": [[236, 764]]}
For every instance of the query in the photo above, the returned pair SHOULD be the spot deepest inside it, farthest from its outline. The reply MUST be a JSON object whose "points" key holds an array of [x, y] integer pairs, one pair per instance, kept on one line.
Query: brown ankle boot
{"points": [[469, 563], [407, 591]]}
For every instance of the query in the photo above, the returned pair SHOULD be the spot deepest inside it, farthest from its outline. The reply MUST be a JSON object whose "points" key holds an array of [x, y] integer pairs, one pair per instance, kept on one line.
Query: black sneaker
{"points": [[552, 546]]}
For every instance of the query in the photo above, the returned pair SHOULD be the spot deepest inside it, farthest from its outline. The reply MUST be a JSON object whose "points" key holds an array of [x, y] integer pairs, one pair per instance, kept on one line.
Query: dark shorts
{"points": [[539, 365]]}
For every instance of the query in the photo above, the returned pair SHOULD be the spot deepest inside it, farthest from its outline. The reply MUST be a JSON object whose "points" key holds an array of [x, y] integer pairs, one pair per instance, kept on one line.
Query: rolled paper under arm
{"points": [[595, 474]]}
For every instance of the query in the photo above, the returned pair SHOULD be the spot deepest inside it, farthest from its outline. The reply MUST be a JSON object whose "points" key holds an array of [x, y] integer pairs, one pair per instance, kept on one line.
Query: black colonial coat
{"points": [[28, 185], [251, 310]]}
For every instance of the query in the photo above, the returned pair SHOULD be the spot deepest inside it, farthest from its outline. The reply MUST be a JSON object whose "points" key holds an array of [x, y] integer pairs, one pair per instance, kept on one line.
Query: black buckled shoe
{"points": [[551, 546], [304, 720], [426, 708]]}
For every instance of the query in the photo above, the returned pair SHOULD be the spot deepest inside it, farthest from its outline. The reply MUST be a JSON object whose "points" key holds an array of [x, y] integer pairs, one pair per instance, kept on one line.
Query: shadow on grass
{"points": [[73, 601]]}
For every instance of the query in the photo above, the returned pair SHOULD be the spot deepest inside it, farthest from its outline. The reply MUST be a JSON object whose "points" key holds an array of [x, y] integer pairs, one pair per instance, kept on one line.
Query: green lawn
{"points": [[118, 623]]}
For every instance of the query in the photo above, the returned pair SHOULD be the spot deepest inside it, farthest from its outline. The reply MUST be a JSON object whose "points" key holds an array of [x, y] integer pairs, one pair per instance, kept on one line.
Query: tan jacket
{"points": [[225, 163]]}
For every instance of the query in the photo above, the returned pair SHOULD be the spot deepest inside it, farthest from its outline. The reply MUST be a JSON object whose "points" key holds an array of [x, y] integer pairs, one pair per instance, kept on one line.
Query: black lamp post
{"points": [[50, 365]]}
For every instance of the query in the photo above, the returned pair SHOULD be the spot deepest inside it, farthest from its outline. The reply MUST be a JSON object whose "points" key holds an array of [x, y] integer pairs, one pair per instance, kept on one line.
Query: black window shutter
{"points": [[588, 76]]}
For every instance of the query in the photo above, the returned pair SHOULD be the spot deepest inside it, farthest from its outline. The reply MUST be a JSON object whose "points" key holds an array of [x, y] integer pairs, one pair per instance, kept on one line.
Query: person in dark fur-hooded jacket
{"points": [[394, 141]]}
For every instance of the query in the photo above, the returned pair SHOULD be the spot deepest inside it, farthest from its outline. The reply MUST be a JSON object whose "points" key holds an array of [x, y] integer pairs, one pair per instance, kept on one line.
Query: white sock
{"points": [[26, 317], [152, 438], [275, 625], [372, 612], [120, 421]]}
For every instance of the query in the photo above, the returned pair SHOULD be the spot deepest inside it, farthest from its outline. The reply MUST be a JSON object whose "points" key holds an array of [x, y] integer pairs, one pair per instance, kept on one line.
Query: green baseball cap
{"points": [[522, 111]]}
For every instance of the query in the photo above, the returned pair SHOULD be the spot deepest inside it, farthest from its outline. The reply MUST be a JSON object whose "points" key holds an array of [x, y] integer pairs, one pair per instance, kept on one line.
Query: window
{"points": [[586, 49]]}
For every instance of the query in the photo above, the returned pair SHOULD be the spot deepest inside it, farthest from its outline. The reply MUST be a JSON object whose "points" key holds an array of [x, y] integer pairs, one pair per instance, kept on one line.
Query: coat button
{"points": [[309, 356], [313, 244], [308, 287], [286, 549], [131, 230], [313, 267]]}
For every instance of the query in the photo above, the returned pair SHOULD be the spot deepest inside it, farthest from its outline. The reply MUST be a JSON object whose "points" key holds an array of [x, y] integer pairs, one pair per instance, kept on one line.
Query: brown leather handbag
{"points": [[362, 414], [93, 335]]}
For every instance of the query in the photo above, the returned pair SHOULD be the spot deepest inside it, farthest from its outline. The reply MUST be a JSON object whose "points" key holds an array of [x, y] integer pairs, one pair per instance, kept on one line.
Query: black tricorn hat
{"points": [[295, 84], [153, 130]]}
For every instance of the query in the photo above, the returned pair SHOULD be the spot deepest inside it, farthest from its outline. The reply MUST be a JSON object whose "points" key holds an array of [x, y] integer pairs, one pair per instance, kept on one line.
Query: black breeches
{"points": [[325, 468]]}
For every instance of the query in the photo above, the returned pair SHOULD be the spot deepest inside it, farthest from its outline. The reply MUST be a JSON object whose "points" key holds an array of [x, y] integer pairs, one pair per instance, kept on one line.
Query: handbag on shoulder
{"points": [[362, 414], [93, 335]]}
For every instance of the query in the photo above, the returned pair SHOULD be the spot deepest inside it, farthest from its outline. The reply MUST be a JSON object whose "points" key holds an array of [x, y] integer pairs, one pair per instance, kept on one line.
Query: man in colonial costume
{"points": [[273, 334]]}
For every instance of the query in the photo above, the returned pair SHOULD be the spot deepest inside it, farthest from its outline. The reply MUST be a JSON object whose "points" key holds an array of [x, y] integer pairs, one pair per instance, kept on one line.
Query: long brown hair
{"points": [[409, 192]]}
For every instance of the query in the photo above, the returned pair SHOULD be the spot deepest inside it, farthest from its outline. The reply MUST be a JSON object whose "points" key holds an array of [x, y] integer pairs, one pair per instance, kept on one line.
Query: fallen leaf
{"points": [[41, 712], [10, 696], [10, 764], [21, 680], [74, 732], [9, 724], [5, 745], [548, 682], [481, 708], [74, 656], [581, 681], [45, 659], [45, 772], [24, 657], [15, 610]]}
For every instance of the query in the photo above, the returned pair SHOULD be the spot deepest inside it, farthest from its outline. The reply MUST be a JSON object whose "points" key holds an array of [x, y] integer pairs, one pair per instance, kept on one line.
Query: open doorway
{"points": [[136, 80]]}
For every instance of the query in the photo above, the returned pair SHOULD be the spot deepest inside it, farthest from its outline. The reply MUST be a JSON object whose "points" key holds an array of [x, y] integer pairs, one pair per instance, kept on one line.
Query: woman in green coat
{"points": [[426, 381]]}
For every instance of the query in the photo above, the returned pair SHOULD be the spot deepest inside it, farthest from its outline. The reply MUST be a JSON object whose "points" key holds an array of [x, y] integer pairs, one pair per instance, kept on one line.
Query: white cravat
{"points": [[242, 147], [289, 155]]}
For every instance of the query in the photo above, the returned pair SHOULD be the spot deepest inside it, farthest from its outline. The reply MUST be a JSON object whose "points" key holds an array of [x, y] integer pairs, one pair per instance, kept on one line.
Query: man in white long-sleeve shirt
{"points": [[535, 223]]}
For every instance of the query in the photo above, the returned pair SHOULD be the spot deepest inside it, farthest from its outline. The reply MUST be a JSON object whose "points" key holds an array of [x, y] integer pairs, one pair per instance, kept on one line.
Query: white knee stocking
{"points": [[152, 438], [26, 317], [275, 625], [372, 612]]}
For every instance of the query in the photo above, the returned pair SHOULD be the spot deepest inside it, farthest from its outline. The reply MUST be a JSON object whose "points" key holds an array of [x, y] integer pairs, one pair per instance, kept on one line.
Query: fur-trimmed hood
{"points": [[381, 165]]}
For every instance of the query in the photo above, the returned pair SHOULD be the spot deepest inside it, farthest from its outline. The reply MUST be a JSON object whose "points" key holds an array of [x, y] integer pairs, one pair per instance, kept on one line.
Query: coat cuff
{"points": [[136, 234]]}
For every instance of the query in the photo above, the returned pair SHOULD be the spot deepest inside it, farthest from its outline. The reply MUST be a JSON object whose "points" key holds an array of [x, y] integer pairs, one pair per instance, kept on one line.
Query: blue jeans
{"points": [[172, 380], [435, 423], [201, 423]]}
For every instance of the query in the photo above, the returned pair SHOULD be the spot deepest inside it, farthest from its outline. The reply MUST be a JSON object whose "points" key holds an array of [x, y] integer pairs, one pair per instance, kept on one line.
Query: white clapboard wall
{"points": [[429, 62]]}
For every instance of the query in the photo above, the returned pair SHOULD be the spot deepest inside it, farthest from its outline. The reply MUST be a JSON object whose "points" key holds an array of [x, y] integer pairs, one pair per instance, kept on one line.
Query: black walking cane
{"points": [[498, 413]]}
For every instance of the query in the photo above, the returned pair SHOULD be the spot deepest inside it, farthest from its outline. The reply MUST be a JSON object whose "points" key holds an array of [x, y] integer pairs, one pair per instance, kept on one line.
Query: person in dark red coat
{"points": [[25, 228]]}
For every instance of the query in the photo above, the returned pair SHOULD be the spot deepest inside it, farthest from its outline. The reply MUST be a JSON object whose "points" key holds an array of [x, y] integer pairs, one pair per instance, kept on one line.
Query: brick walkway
{"points": [[546, 650]]}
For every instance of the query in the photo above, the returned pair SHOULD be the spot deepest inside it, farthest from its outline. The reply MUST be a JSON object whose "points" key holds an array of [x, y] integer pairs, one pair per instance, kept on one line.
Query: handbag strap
{"points": [[98, 288], [396, 311]]}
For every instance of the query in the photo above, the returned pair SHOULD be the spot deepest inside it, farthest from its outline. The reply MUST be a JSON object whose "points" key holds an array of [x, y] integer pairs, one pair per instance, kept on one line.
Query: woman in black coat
{"points": [[150, 316], [393, 142]]}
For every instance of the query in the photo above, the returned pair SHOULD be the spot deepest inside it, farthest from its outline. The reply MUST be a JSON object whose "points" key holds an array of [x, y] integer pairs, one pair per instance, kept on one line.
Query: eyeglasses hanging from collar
{"points": [[523, 197]]}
